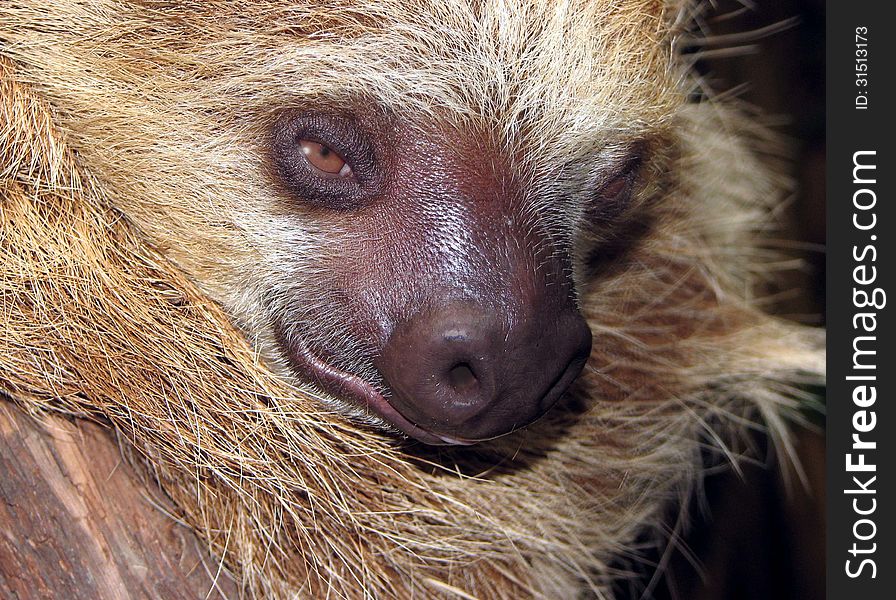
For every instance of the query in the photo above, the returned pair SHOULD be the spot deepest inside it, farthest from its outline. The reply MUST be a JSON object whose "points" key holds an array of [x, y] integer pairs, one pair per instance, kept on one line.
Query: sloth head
{"points": [[397, 203]]}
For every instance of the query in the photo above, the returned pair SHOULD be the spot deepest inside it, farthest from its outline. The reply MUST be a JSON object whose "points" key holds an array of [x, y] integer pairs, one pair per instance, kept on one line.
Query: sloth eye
{"points": [[613, 196], [618, 189], [617, 186], [325, 160]]}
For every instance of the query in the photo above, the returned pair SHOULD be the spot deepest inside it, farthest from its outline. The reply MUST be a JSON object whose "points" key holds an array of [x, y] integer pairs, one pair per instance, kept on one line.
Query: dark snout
{"points": [[462, 373]]}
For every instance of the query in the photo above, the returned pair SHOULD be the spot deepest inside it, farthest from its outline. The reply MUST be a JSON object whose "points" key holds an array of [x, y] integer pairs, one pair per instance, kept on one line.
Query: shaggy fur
{"points": [[141, 251]]}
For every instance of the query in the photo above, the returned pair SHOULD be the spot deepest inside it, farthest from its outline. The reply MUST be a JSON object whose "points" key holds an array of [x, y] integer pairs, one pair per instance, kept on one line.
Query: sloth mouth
{"points": [[359, 392]]}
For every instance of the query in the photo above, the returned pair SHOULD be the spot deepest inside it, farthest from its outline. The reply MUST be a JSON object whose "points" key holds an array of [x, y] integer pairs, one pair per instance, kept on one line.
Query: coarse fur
{"points": [[143, 258]]}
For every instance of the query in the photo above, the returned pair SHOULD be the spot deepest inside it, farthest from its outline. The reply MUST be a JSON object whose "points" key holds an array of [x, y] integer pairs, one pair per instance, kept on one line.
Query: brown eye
{"points": [[616, 186], [619, 187], [324, 159]]}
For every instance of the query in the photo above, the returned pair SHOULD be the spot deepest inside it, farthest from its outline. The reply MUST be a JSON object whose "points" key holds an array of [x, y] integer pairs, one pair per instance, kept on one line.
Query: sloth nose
{"points": [[460, 373]]}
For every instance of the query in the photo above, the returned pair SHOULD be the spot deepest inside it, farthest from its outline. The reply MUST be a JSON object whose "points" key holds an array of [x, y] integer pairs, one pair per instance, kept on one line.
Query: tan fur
{"points": [[137, 234]]}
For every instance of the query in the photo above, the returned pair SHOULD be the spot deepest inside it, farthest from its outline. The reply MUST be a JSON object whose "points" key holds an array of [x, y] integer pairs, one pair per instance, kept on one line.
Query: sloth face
{"points": [[445, 303]]}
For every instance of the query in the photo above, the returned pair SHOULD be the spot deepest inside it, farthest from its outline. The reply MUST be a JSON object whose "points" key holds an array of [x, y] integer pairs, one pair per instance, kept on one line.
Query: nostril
{"points": [[459, 371], [462, 378]]}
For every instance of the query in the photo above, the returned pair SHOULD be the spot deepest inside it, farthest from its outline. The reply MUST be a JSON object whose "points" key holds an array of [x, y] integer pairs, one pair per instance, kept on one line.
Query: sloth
{"points": [[394, 299]]}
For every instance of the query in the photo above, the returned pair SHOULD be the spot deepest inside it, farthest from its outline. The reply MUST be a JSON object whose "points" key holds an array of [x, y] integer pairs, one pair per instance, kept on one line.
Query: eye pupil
{"points": [[324, 159]]}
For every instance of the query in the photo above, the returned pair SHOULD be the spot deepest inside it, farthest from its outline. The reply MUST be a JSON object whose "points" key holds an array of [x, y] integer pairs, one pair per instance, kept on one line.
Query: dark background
{"points": [[754, 536]]}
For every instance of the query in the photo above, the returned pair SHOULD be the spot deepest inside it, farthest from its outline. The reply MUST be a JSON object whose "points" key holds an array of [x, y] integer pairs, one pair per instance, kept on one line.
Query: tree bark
{"points": [[77, 521]]}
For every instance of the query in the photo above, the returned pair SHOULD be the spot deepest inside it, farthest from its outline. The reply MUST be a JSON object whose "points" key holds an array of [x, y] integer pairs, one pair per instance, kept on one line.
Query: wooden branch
{"points": [[76, 521]]}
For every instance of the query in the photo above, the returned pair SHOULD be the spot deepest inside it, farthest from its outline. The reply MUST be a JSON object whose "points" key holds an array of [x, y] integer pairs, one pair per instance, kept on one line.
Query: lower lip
{"points": [[362, 393]]}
